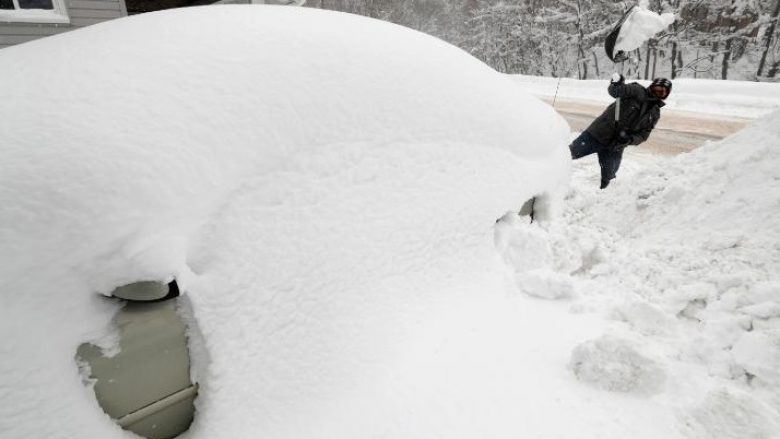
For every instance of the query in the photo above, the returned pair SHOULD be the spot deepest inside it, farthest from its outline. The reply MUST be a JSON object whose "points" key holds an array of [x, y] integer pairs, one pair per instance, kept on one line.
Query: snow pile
{"points": [[729, 414], [614, 364], [640, 26], [322, 186], [528, 252], [681, 256]]}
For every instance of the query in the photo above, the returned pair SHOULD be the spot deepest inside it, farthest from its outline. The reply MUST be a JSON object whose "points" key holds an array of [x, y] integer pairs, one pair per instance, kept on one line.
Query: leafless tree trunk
{"points": [[715, 48], [774, 70], [596, 63], [770, 32], [680, 62], [655, 59], [582, 62], [647, 59], [724, 70]]}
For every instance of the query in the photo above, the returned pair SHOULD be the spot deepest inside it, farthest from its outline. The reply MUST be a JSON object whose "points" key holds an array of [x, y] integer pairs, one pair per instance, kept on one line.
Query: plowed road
{"points": [[676, 132]]}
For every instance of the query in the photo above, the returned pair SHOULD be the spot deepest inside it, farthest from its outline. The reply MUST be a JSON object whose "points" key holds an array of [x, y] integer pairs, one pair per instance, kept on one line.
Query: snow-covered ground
{"points": [[680, 256], [740, 99], [328, 205]]}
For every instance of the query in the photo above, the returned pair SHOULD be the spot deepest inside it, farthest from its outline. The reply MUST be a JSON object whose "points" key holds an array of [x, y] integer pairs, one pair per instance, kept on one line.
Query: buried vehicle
{"points": [[322, 186]]}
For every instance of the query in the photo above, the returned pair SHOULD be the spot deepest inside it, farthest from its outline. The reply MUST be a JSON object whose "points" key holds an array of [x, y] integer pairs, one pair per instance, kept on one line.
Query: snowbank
{"points": [[681, 257], [740, 99], [324, 189]]}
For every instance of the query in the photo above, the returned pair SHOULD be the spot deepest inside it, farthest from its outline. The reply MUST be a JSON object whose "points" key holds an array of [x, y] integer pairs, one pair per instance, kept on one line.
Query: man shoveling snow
{"points": [[619, 127], [609, 135]]}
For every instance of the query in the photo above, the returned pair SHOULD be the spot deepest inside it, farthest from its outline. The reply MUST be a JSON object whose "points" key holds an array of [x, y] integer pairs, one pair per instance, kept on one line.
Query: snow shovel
{"points": [[617, 56], [612, 38]]}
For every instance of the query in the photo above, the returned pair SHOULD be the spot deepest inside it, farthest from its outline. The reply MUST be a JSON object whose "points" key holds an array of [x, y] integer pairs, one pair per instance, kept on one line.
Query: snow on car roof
{"points": [[322, 186]]}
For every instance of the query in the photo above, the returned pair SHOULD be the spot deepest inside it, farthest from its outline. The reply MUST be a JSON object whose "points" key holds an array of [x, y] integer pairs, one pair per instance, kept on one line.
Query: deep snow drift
{"points": [[324, 188], [681, 256]]}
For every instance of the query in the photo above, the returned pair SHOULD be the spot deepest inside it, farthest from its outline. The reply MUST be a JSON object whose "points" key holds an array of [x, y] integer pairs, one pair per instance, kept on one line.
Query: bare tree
{"points": [[768, 37], [566, 37]]}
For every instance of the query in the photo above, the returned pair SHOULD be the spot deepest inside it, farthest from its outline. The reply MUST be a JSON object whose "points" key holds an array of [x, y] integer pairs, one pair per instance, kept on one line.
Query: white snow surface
{"points": [[641, 25], [331, 219], [324, 188], [740, 99], [682, 257]]}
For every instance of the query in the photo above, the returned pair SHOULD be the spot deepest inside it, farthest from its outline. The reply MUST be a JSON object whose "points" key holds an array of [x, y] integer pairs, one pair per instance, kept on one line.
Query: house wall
{"points": [[81, 12]]}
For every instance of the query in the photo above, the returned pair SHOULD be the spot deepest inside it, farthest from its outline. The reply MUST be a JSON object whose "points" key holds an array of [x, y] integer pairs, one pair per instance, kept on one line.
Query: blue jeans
{"points": [[609, 158]]}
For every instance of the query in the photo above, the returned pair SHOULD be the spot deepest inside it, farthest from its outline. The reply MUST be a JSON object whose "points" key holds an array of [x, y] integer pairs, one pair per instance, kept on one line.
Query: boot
{"points": [[604, 184]]}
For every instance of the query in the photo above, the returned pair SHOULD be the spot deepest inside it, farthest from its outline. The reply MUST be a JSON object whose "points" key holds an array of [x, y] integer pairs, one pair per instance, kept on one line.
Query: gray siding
{"points": [[81, 12]]}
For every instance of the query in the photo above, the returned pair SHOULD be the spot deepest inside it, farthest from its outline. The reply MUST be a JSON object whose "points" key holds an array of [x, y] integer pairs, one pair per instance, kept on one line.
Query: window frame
{"points": [[58, 15]]}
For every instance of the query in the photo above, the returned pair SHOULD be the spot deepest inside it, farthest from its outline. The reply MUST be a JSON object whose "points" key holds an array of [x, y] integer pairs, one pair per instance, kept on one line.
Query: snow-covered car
{"points": [[323, 187]]}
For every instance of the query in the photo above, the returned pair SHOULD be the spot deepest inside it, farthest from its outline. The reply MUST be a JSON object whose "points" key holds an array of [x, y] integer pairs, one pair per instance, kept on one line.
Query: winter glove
{"points": [[623, 139], [617, 78]]}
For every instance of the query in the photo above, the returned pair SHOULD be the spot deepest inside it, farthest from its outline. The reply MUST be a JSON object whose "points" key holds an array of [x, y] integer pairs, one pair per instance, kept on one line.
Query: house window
{"points": [[33, 11]]}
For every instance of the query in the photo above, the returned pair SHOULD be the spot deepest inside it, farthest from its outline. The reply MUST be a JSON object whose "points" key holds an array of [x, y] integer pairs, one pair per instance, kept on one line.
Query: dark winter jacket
{"points": [[639, 112]]}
